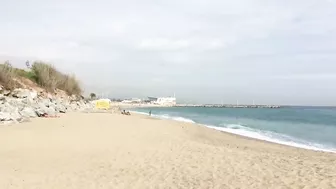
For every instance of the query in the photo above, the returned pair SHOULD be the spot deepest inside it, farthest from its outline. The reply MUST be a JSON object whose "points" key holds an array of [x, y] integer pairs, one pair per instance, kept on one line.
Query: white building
{"points": [[163, 101], [132, 101]]}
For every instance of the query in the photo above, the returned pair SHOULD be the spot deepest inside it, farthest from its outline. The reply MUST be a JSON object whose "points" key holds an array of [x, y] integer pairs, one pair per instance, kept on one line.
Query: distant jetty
{"points": [[226, 106]]}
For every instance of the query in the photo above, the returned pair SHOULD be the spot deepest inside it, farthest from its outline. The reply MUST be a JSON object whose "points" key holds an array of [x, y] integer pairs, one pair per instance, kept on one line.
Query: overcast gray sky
{"points": [[270, 51]]}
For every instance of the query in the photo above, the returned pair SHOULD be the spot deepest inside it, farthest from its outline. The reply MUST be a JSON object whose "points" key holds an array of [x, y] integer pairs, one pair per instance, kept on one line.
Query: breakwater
{"points": [[226, 106]]}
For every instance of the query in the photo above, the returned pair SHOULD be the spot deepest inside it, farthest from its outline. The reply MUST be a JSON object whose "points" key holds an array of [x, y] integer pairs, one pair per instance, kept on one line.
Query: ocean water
{"points": [[311, 128]]}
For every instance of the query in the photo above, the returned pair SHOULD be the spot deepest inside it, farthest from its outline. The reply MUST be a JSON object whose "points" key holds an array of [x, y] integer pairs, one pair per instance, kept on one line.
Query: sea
{"points": [[311, 128]]}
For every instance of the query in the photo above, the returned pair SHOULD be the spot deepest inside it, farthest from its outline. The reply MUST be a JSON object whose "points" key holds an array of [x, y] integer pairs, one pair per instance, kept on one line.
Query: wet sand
{"points": [[99, 150]]}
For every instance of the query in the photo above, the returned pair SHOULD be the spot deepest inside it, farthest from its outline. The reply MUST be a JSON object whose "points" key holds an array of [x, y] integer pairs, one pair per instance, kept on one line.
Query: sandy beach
{"points": [[100, 150]]}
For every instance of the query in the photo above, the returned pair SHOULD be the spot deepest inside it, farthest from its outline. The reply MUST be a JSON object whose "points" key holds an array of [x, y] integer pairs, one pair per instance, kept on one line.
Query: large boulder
{"points": [[60, 105], [60, 108], [42, 110], [45, 102], [85, 106], [2, 97], [15, 103], [5, 116], [24, 93], [16, 116], [28, 112], [73, 106], [8, 107], [51, 111], [28, 101], [5, 92], [11, 107]]}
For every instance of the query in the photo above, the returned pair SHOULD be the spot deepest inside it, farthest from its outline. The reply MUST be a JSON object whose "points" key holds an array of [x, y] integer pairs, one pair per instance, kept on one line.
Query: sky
{"points": [[206, 51]]}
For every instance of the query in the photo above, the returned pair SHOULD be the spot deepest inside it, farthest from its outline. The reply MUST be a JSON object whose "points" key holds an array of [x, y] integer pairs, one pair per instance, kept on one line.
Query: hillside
{"points": [[39, 76], [39, 91]]}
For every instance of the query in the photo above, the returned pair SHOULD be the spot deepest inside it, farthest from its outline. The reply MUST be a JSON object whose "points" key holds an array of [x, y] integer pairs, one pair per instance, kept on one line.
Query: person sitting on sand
{"points": [[125, 113]]}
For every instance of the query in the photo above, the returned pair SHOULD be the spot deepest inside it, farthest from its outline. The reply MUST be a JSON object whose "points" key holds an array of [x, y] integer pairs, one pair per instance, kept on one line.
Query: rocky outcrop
{"points": [[22, 104]]}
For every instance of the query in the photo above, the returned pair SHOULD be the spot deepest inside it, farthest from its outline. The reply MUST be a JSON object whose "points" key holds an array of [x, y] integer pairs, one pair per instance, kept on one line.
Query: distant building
{"points": [[132, 101], [126, 101], [163, 101]]}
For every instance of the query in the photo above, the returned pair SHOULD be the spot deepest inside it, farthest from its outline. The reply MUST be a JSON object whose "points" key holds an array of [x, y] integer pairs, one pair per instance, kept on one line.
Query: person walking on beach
{"points": [[150, 112]]}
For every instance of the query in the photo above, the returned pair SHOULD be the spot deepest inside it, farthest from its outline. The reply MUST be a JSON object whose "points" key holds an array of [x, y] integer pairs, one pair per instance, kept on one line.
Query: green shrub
{"points": [[69, 84], [31, 75], [7, 74], [93, 95], [26, 74], [45, 75], [48, 77]]}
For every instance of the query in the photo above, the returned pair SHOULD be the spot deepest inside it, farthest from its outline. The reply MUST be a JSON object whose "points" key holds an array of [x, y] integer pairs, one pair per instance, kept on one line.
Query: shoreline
{"points": [[104, 150], [259, 138], [142, 105]]}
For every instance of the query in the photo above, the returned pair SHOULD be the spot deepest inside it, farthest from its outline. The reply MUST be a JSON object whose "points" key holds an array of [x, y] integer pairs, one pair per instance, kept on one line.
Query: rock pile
{"points": [[22, 104]]}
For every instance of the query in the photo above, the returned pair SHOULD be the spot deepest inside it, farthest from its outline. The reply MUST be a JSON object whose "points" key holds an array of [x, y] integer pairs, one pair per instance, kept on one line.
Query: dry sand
{"points": [[113, 151]]}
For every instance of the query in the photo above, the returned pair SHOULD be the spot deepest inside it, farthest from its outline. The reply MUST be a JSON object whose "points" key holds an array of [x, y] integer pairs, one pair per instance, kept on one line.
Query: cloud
{"points": [[308, 77], [162, 44], [219, 47]]}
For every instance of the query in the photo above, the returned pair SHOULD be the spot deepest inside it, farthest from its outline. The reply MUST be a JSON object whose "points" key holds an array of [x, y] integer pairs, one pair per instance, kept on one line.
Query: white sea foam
{"points": [[256, 134], [142, 113], [166, 116], [176, 118], [183, 119], [271, 137]]}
